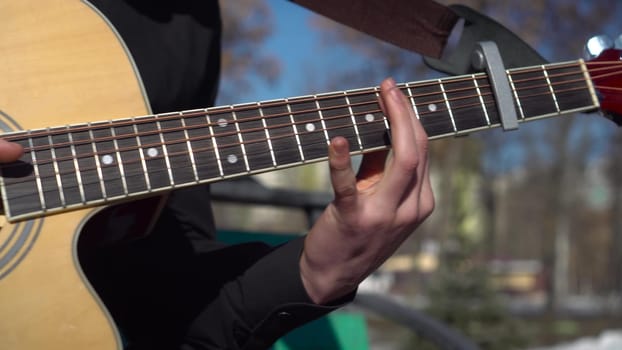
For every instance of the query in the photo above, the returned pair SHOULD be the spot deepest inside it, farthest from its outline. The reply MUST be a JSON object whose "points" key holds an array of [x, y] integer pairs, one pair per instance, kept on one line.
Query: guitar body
{"points": [[60, 62]]}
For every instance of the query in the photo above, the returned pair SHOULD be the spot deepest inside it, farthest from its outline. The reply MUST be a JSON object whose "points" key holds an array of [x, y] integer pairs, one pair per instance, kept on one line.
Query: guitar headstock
{"points": [[606, 73]]}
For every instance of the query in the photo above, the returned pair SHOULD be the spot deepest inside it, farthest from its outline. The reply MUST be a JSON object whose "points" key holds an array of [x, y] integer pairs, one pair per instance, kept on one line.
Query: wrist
{"points": [[324, 283]]}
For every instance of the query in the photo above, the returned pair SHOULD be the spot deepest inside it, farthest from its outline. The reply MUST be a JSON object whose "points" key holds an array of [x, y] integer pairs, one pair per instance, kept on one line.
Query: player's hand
{"points": [[374, 211]]}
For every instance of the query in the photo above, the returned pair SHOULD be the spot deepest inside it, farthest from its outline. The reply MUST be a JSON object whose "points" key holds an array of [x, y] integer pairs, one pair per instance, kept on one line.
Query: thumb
{"points": [[341, 174], [9, 151]]}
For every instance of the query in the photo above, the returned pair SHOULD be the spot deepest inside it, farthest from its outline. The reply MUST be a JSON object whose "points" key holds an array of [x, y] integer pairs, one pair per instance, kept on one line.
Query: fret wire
{"points": [[546, 76], [141, 152], [295, 163], [320, 157], [180, 140], [411, 97], [291, 117], [565, 90], [481, 99], [589, 82], [515, 71], [165, 152], [353, 118], [415, 106], [566, 82], [189, 147], [451, 114], [243, 149], [119, 160], [59, 182], [538, 69], [267, 133], [384, 117], [76, 165], [73, 149], [215, 144], [516, 98], [97, 163], [370, 122], [322, 122], [124, 121], [35, 166], [142, 146], [106, 138]]}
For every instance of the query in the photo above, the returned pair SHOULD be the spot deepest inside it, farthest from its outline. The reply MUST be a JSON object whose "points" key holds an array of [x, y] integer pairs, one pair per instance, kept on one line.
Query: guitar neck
{"points": [[102, 162]]}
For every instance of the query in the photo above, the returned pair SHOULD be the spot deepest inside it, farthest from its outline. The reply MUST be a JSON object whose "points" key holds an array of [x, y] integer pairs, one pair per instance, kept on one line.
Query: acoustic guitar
{"points": [[107, 148]]}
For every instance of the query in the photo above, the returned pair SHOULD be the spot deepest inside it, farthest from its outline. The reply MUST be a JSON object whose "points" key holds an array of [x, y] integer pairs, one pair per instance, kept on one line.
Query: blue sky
{"points": [[294, 41], [305, 61]]}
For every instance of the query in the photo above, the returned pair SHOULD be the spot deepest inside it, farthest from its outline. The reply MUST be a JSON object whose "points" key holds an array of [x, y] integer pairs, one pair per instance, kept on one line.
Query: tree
{"points": [[247, 24]]}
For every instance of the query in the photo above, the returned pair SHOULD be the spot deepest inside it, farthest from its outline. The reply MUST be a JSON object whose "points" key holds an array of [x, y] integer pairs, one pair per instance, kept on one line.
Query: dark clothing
{"points": [[177, 288]]}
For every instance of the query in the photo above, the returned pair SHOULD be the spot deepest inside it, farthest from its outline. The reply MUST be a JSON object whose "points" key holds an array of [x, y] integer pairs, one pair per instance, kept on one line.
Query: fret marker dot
{"points": [[152, 152], [369, 117], [222, 122], [232, 159], [107, 159], [432, 107], [310, 127]]}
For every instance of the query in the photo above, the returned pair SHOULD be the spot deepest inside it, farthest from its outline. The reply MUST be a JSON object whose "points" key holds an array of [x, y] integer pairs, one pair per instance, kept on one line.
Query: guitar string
{"points": [[164, 170], [110, 138], [609, 74], [140, 171], [373, 132], [431, 124], [252, 140], [185, 140], [65, 188], [245, 120], [242, 107], [220, 110], [252, 106], [295, 114], [117, 151], [63, 131]]}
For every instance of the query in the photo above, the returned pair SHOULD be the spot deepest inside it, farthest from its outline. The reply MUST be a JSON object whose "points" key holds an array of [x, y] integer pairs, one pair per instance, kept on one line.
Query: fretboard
{"points": [[74, 166]]}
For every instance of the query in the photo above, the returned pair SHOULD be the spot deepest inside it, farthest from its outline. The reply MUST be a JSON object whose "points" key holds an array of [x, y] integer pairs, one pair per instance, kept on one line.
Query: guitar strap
{"points": [[422, 26]]}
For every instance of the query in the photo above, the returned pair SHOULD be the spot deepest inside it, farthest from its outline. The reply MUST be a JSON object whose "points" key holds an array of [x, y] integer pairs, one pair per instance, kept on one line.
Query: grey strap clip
{"points": [[487, 57]]}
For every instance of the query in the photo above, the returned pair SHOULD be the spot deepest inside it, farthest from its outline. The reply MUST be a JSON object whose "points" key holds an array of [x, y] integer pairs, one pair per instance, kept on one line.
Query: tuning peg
{"points": [[597, 44]]}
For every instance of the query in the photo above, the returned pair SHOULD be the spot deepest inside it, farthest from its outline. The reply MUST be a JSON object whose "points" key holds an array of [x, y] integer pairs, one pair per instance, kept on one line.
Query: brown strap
{"points": [[417, 25]]}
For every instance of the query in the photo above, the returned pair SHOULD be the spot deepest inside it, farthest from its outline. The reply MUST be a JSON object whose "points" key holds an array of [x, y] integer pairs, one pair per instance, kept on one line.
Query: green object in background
{"points": [[336, 331]]}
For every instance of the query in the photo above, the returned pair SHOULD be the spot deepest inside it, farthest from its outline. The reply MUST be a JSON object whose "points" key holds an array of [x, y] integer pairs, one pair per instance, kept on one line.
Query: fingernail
{"points": [[338, 147], [395, 92]]}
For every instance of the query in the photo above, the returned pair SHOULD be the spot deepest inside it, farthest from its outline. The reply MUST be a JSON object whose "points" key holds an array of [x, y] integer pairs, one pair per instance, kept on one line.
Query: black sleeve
{"points": [[265, 302]]}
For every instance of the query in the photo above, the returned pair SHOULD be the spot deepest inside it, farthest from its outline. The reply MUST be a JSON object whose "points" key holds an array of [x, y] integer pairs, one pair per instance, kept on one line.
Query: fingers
{"points": [[341, 173], [410, 161], [420, 201], [404, 171], [404, 178], [9, 151]]}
